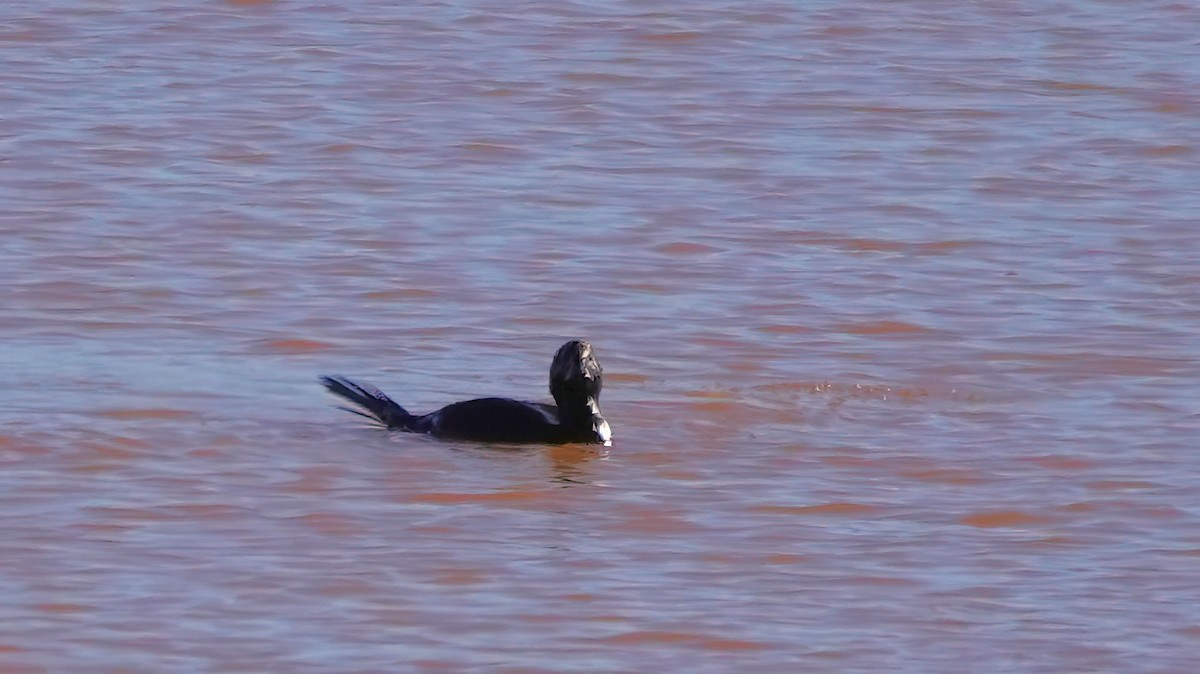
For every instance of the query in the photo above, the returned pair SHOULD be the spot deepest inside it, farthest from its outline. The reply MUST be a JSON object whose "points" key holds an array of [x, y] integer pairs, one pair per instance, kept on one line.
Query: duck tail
{"points": [[372, 403]]}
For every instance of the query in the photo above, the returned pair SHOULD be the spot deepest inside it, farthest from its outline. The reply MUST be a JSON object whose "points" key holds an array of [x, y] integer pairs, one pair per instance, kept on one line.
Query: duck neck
{"points": [[577, 411]]}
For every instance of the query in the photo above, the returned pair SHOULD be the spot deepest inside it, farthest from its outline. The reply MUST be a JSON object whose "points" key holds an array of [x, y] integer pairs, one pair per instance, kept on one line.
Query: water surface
{"points": [[897, 304]]}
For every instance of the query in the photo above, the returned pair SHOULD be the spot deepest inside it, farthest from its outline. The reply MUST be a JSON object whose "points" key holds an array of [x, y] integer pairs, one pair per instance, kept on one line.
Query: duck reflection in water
{"points": [[575, 383]]}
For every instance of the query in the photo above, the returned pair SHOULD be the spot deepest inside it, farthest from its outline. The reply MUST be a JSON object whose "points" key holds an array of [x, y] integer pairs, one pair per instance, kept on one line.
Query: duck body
{"points": [[575, 384]]}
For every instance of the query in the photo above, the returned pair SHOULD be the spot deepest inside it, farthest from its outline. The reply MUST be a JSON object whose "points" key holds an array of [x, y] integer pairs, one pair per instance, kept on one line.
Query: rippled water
{"points": [[898, 304]]}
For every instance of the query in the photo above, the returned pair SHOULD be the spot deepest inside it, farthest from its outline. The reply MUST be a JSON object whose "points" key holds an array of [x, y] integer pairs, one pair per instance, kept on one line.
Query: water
{"points": [[897, 306]]}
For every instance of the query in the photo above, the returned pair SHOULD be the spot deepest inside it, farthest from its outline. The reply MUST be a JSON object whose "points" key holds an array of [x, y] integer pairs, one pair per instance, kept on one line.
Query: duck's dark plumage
{"points": [[575, 384]]}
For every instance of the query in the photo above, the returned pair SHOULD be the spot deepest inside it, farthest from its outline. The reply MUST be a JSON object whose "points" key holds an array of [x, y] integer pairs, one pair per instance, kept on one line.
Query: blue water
{"points": [[896, 303]]}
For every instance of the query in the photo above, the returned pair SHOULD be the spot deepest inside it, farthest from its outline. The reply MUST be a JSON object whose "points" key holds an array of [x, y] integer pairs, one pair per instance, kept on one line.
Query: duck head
{"points": [[575, 382]]}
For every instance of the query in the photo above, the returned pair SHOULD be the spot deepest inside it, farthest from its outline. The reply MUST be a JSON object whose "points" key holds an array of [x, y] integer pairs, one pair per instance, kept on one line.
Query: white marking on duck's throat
{"points": [[604, 432], [602, 429]]}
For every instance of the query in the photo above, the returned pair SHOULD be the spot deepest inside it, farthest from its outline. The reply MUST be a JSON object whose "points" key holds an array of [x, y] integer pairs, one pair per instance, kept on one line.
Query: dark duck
{"points": [[575, 382]]}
